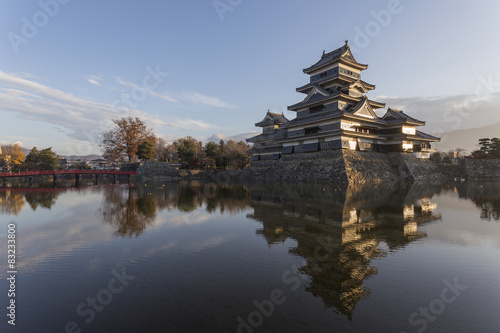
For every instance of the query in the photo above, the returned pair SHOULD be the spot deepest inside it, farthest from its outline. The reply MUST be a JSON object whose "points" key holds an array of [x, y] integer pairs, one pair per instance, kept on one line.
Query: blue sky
{"points": [[68, 67]]}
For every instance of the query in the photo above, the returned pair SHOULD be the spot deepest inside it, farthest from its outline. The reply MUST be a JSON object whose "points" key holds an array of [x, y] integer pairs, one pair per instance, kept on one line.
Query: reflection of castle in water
{"points": [[338, 231]]}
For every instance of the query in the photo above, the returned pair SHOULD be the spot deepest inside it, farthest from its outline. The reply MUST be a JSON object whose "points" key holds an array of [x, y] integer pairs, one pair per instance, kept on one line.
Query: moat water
{"points": [[198, 257]]}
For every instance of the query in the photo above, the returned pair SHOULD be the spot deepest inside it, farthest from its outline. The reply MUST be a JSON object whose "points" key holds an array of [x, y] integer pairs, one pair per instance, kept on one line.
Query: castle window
{"points": [[311, 130], [316, 108]]}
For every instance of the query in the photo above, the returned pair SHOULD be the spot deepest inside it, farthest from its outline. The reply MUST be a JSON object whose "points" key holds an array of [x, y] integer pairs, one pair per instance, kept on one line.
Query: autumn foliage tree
{"points": [[12, 157], [124, 139]]}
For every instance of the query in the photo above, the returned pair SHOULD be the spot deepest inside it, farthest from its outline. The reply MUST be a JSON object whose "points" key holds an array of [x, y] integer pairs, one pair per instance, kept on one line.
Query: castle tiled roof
{"points": [[398, 116], [314, 118], [272, 119], [268, 136], [341, 54]]}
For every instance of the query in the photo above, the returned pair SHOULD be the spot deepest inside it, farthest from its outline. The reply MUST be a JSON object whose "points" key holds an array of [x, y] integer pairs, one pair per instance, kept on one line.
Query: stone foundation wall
{"points": [[157, 172], [344, 166], [481, 169], [472, 169], [420, 169], [325, 167], [370, 167]]}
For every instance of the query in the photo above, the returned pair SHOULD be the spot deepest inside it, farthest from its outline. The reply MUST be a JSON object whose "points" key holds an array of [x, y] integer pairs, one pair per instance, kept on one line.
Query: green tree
{"points": [[484, 144], [124, 139], [48, 159], [211, 149], [494, 148], [211, 152], [44, 159], [31, 162], [189, 151], [447, 159], [146, 151], [221, 161], [436, 157]]}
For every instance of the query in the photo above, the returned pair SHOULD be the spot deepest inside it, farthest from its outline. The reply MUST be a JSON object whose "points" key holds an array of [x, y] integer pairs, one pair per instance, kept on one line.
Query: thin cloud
{"points": [[187, 123], [82, 118], [150, 92], [169, 138], [94, 79], [198, 98]]}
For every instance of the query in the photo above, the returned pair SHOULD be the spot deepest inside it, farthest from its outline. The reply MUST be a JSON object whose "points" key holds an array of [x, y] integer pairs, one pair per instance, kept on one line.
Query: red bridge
{"points": [[77, 173], [71, 172]]}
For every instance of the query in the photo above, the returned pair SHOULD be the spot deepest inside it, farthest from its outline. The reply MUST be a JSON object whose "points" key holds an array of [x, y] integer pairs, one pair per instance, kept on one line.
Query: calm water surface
{"points": [[191, 257]]}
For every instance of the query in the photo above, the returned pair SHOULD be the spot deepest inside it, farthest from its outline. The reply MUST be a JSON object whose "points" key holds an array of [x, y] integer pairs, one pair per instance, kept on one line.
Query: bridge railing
{"points": [[58, 172]]}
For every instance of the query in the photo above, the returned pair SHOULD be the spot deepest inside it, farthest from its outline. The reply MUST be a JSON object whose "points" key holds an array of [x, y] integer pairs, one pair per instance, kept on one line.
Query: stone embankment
{"points": [[481, 169], [342, 167], [471, 169], [162, 172]]}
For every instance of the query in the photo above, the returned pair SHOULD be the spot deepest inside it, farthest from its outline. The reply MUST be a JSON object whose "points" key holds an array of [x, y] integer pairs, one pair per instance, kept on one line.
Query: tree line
{"points": [[13, 158], [488, 148], [131, 140]]}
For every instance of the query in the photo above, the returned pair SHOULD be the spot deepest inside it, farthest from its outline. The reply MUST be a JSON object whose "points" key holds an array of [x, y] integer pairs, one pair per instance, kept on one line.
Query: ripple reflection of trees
{"points": [[126, 211], [130, 210], [11, 203], [41, 199], [485, 196]]}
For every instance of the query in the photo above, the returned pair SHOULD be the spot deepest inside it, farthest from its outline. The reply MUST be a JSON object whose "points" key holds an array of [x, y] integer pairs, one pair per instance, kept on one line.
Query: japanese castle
{"points": [[336, 114]]}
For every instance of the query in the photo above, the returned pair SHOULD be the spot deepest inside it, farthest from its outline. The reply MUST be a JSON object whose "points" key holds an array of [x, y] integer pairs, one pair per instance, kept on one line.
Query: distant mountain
{"points": [[466, 138], [71, 157]]}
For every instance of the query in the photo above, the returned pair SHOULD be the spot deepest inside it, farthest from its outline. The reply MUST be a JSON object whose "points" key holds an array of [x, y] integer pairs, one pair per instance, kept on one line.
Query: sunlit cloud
{"points": [[237, 137]]}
